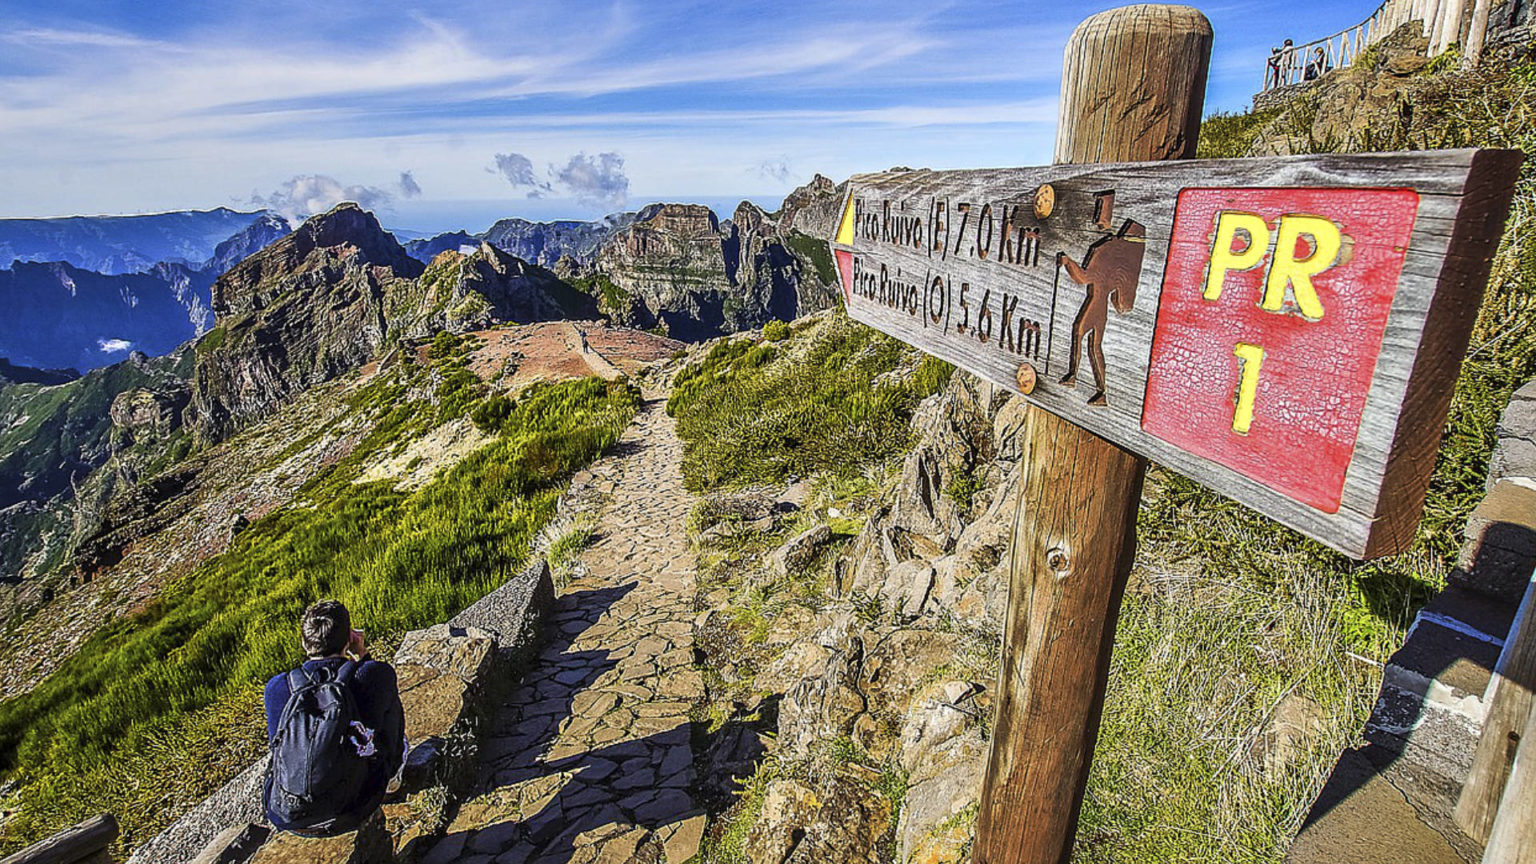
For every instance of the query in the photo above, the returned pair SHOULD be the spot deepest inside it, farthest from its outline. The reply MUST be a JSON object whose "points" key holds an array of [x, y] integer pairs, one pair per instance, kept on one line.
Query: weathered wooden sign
{"points": [[1287, 331]]}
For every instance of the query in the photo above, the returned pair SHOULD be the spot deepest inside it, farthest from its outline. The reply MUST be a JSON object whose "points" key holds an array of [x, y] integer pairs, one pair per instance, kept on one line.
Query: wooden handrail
{"points": [[1301, 63], [1510, 703], [1513, 840]]}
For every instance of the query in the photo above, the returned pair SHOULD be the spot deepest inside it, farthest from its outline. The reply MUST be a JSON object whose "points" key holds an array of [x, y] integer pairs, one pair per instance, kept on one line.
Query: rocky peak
{"points": [[347, 237], [750, 218], [813, 208], [684, 220], [11, 373], [461, 293], [256, 236], [545, 243], [308, 308]]}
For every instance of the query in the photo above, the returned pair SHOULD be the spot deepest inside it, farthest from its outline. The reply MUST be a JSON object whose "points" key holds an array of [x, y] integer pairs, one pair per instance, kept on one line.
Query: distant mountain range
{"points": [[85, 291], [123, 244], [64, 313]]}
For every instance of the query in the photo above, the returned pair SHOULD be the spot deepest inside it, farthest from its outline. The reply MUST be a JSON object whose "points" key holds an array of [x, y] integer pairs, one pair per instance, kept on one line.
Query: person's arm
{"points": [[1078, 274], [274, 698], [389, 715]]}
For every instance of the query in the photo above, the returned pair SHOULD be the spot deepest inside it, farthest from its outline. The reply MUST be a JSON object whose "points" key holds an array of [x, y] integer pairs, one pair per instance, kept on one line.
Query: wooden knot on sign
{"points": [[1045, 201], [1060, 563], [1026, 378]]}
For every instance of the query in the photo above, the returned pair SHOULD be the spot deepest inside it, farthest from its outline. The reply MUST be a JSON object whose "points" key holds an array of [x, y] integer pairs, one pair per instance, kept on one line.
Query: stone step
{"points": [[1501, 542], [1423, 733], [1446, 663], [1362, 818]]}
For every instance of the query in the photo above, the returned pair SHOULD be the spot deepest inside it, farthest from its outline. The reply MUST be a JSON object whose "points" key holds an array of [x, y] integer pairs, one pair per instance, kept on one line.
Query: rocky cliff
{"points": [[427, 248], [545, 243], [702, 277], [469, 292], [67, 315], [897, 669], [267, 229], [123, 244], [53, 439], [1371, 105], [672, 260], [58, 315], [308, 308], [813, 208]]}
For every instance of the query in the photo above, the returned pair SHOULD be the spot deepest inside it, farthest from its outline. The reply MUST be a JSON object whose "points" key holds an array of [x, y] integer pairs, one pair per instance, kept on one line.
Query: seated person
{"points": [[335, 728]]}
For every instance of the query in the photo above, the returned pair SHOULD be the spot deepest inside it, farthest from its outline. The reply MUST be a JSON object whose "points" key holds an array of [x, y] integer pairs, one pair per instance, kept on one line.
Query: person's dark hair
{"points": [[326, 629]]}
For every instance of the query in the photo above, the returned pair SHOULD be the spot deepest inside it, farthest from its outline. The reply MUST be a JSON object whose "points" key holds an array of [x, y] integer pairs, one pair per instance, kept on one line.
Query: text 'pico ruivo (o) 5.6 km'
{"points": [[1284, 330]]}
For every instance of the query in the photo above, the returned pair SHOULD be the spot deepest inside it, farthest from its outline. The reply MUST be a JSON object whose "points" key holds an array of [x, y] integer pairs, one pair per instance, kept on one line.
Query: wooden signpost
{"points": [[1288, 331], [1285, 330]]}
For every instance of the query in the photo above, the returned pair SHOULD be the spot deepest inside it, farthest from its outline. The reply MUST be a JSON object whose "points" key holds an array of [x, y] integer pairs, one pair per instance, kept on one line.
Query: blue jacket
{"points": [[376, 693]]}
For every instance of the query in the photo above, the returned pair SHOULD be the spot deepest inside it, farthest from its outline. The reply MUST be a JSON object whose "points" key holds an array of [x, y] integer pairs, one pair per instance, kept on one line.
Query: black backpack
{"points": [[318, 783]]}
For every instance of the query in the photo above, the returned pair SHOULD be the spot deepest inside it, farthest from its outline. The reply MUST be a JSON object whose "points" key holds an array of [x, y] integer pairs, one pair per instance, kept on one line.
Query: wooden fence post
{"points": [[86, 843], [1513, 840], [1510, 703], [1133, 85], [1477, 33]]}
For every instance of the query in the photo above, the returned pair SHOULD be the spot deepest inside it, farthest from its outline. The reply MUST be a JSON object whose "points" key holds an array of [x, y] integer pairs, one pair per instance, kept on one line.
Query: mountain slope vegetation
{"points": [[143, 695]]}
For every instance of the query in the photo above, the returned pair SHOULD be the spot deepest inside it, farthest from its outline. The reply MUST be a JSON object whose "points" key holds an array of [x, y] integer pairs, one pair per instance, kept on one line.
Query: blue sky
{"points": [[592, 107]]}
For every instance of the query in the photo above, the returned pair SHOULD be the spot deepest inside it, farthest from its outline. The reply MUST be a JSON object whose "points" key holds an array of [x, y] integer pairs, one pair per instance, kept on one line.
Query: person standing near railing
{"points": [[1280, 61]]}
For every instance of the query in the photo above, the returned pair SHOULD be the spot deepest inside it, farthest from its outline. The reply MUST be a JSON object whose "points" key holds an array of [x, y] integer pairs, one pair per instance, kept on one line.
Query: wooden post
{"points": [[1513, 840], [1133, 85], [1513, 678], [1476, 34], [86, 842]]}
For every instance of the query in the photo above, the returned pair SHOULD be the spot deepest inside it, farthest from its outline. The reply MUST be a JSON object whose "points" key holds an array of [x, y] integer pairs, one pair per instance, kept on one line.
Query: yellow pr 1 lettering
{"points": [[1224, 257], [1250, 358], [1287, 269]]}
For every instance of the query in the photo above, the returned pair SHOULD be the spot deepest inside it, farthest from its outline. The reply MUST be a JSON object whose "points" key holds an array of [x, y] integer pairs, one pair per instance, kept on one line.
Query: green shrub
{"points": [[1228, 136], [749, 413], [775, 331], [211, 341]]}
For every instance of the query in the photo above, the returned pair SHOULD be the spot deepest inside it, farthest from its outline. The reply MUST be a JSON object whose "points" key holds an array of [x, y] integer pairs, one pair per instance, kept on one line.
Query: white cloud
{"points": [[592, 181], [113, 346], [776, 169], [307, 194], [596, 180]]}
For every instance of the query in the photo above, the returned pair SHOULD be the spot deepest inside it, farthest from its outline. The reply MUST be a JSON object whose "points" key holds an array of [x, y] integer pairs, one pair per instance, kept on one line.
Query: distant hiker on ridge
{"points": [[336, 730]]}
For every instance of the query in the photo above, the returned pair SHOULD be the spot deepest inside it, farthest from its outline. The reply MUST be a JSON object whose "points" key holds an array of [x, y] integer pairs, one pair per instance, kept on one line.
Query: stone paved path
{"points": [[590, 759]]}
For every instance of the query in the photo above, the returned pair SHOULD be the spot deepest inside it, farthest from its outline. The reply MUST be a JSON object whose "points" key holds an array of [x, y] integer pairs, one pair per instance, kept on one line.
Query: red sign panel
{"points": [[1271, 318]]}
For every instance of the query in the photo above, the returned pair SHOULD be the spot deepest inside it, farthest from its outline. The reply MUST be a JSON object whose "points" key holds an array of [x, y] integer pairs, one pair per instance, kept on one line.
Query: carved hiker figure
{"points": [[1109, 272]]}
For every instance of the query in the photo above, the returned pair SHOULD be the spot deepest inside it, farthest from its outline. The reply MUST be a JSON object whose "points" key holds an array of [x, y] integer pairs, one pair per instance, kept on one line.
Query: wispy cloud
{"points": [[776, 169], [189, 104], [518, 171], [40, 36]]}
